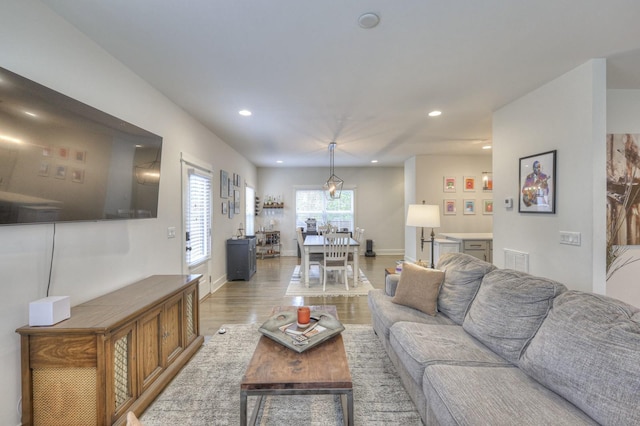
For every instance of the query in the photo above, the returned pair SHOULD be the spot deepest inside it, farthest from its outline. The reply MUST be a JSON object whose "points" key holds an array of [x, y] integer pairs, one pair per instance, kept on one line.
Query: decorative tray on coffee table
{"points": [[282, 327]]}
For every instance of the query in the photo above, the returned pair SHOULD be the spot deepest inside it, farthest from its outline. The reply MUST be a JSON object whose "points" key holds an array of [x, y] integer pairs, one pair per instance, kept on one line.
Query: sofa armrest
{"points": [[391, 284]]}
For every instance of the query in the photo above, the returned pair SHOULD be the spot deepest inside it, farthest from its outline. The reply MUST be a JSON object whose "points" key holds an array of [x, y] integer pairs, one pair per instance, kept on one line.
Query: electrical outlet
{"points": [[570, 238], [171, 232]]}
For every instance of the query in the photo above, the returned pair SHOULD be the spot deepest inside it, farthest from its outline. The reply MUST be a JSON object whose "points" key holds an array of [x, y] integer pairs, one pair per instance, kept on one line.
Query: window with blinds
{"points": [[198, 221], [311, 203]]}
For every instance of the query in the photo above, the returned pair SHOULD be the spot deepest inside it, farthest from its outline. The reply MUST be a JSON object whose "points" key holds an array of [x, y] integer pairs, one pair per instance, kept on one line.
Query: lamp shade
{"points": [[423, 215]]}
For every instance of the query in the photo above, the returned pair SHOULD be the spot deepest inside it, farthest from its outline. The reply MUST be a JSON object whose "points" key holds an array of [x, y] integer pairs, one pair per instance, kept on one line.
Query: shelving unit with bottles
{"points": [[268, 243]]}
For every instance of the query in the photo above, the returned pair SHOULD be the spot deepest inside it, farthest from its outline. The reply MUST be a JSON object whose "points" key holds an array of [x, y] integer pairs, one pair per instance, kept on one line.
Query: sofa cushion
{"points": [[508, 310], [472, 395], [588, 350], [420, 345], [418, 288], [462, 277], [385, 313]]}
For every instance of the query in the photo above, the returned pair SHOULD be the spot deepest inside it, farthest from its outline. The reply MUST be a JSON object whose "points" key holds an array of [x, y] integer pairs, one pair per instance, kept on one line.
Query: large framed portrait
{"points": [[538, 183]]}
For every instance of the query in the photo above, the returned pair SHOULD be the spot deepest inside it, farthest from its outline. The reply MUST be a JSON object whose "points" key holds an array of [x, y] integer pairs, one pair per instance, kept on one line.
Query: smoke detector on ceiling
{"points": [[368, 20]]}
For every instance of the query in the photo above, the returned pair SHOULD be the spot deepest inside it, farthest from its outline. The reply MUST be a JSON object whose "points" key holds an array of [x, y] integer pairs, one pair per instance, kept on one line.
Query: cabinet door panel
{"points": [[150, 347], [122, 387], [191, 315], [173, 329]]}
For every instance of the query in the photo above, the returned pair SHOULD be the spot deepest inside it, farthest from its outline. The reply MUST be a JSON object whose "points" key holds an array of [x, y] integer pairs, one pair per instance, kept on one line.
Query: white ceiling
{"points": [[311, 75]]}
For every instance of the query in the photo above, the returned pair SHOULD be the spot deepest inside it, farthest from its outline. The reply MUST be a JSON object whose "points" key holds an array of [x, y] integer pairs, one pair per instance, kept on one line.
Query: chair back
{"points": [[336, 247], [359, 235], [300, 240]]}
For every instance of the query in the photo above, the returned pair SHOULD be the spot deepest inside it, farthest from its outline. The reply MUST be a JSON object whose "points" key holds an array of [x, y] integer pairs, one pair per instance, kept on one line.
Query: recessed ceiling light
{"points": [[374, 161], [486, 147], [244, 112], [279, 161], [435, 113], [368, 20]]}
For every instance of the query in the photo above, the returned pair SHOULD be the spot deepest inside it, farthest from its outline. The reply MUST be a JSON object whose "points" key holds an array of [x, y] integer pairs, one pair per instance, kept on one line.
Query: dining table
{"points": [[315, 244]]}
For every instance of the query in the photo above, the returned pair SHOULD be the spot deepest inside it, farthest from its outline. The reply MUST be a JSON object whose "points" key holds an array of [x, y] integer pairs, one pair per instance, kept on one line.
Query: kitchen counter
{"points": [[468, 236]]}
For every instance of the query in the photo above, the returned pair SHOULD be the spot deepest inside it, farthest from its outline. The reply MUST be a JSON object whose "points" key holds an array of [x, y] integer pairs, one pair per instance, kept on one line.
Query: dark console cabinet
{"points": [[241, 259]]}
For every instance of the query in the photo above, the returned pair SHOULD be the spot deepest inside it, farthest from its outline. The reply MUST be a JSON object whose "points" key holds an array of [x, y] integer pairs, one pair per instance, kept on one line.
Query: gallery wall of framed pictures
{"points": [[230, 191], [468, 205]]}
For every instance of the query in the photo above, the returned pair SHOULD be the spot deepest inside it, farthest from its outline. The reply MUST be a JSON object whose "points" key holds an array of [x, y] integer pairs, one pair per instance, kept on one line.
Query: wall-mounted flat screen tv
{"points": [[62, 160]]}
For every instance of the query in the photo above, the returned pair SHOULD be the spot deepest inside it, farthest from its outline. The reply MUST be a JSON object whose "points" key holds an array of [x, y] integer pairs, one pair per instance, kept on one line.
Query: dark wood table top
{"points": [[274, 366]]}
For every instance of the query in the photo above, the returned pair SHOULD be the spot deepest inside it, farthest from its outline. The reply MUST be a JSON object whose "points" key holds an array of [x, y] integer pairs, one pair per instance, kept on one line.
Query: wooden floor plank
{"points": [[241, 302]]}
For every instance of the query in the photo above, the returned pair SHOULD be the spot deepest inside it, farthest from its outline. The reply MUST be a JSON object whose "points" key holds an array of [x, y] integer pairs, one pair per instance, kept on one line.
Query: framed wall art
{"points": [[224, 184], [61, 172], [80, 156], [487, 181], [236, 201], [77, 175], [449, 207], [487, 206], [449, 184], [469, 184], [44, 169], [469, 206], [63, 152], [537, 183]]}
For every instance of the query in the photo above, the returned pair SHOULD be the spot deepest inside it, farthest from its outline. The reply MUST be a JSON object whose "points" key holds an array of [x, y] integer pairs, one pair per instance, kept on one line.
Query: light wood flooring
{"points": [[241, 302]]}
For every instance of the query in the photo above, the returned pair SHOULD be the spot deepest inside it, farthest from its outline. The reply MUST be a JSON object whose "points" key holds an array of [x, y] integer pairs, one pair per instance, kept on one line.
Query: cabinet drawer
{"points": [[476, 245]]}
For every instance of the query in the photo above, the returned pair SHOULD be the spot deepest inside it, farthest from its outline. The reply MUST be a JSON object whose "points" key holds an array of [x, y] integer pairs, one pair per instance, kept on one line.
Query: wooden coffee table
{"points": [[276, 370]]}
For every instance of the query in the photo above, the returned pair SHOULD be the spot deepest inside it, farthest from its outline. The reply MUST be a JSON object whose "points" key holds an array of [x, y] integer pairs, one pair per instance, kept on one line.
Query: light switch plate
{"points": [[570, 238], [171, 232]]}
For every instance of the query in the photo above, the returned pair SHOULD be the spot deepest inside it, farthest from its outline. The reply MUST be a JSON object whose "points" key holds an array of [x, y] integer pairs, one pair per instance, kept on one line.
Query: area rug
{"points": [[207, 390], [334, 287]]}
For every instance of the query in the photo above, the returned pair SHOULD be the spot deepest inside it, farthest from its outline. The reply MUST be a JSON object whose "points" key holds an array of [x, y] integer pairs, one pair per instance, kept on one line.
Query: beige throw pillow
{"points": [[418, 288]]}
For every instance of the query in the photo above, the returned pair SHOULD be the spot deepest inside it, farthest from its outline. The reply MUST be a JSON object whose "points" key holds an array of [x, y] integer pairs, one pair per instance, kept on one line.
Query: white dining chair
{"points": [[358, 235], [336, 253], [314, 258]]}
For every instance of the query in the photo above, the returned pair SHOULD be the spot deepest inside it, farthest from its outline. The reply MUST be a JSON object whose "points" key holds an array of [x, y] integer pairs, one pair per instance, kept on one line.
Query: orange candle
{"points": [[304, 315]]}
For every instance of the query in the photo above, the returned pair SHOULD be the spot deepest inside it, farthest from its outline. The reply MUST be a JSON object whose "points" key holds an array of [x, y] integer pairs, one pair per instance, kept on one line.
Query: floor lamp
{"points": [[424, 216]]}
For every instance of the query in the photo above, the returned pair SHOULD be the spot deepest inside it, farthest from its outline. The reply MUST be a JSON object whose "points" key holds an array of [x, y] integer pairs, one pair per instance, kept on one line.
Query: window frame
{"points": [[322, 217], [203, 241]]}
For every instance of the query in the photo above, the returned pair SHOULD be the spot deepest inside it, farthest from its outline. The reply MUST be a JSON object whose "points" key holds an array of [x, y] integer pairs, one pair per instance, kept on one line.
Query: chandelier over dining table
{"points": [[333, 186]]}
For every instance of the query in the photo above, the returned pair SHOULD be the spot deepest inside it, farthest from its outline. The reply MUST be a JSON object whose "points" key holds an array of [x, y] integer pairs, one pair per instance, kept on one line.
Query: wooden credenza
{"points": [[115, 353]]}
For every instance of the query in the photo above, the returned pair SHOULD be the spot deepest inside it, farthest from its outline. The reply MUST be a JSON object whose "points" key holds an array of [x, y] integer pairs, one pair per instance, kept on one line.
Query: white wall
{"points": [[379, 202], [425, 181], [623, 116], [567, 115], [94, 258]]}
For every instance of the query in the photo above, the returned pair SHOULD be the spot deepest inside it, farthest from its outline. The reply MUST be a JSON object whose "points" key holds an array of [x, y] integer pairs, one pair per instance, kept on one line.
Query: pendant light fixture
{"points": [[333, 186]]}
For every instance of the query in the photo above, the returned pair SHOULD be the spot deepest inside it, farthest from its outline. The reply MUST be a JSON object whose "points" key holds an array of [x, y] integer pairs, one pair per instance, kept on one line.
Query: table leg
{"points": [[356, 267], [347, 407], [256, 410], [306, 267], [243, 408]]}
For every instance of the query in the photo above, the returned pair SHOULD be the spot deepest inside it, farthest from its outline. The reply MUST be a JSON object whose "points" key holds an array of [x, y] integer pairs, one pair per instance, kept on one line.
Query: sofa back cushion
{"points": [[508, 310], [462, 277], [588, 351]]}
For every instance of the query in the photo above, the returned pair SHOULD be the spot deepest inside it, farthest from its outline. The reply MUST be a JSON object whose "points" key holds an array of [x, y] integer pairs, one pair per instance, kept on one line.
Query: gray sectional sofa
{"points": [[509, 348]]}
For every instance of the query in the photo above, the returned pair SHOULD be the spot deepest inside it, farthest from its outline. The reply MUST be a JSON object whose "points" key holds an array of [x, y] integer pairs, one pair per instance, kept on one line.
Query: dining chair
{"points": [[336, 253], [314, 258], [358, 235]]}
